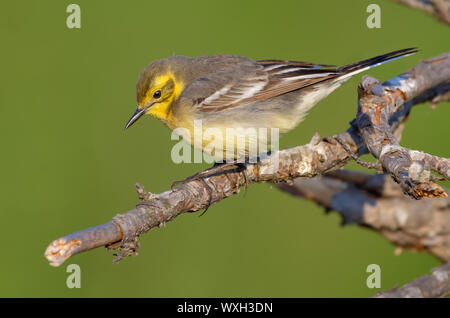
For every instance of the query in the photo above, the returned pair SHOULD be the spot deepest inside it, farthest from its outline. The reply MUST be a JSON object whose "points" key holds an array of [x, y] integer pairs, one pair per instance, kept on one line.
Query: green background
{"points": [[67, 163]]}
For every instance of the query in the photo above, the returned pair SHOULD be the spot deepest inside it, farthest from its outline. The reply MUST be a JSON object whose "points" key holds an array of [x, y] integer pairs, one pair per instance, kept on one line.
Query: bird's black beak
{"points": [[137, 114]]}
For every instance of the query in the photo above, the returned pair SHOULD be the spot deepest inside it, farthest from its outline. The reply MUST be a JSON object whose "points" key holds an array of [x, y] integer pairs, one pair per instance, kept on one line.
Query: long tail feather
{"points": [[355, 68]]}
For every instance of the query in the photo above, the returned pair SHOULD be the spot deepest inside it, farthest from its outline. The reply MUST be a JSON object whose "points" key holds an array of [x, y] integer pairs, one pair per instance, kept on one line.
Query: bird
{"points": [[227, 91]]}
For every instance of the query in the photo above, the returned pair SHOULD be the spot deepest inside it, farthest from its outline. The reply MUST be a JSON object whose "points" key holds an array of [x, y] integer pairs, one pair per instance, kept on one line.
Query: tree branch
{"points": [[314, 158], [429, 286], [377, 202], [440, 9], [377, 104], [319, 156]]}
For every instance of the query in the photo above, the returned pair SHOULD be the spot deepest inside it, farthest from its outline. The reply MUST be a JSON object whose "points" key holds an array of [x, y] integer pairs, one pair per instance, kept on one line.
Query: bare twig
{"points": [[429, 286], [377, 202], [378, 103], [437, 8], [320, 156]]}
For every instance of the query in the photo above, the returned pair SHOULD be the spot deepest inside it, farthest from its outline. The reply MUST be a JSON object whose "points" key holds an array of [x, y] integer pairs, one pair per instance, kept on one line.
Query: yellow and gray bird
{"points": [[229, 91]]}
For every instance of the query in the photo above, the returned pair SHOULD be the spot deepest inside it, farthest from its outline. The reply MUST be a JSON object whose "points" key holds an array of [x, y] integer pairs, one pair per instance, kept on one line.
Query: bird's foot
{"points": [[217, 168]]}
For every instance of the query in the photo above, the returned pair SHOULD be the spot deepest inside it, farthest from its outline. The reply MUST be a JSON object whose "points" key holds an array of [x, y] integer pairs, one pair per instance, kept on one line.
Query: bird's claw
{"points": [[208, 172]]}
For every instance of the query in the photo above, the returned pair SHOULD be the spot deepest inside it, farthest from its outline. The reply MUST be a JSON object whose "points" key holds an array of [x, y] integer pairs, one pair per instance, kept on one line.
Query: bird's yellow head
{"points": [[157, 89]]}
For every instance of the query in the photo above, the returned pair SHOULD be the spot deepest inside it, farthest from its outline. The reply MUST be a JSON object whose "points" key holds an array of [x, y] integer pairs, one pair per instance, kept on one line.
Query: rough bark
{"points": [[429, 286], [382, 109], [440, 9], [377, 202]]}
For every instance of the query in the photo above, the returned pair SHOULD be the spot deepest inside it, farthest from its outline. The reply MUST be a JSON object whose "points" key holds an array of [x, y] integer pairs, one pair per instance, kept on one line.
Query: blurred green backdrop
{"points": [[67, 163]]}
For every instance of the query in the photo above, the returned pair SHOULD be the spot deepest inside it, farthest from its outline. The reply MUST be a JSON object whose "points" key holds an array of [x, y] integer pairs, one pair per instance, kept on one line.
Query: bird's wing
{"points": [[245, 84]]}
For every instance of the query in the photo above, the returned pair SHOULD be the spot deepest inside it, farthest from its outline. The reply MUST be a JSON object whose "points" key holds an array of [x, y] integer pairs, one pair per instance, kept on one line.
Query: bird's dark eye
{"points": [[157, 94]]}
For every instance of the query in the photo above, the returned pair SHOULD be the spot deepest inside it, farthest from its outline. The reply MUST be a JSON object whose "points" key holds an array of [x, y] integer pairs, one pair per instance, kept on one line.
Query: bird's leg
{"points": [[369, 165], [210, 196], [217, 168]]}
